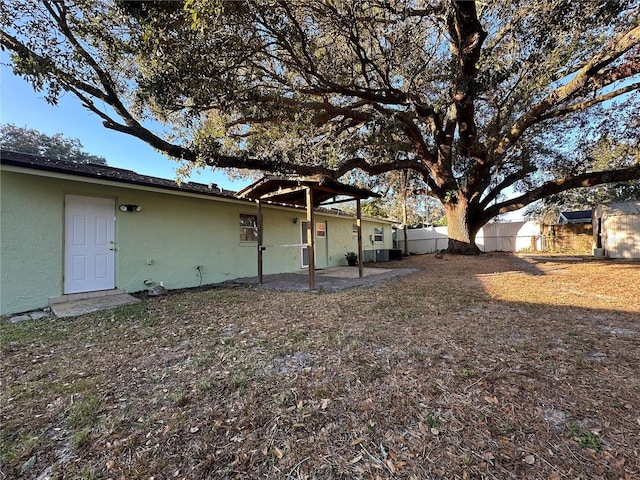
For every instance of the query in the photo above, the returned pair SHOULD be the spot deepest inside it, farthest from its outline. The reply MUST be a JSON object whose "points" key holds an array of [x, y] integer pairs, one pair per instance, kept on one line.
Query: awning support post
{"points": [[359, 226], [260, 248], [311, 247]]}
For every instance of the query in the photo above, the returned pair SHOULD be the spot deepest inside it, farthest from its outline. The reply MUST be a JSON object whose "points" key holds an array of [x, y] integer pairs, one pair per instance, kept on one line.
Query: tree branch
{"points": [[553, 187], [380, 168], [505, 183], [11, 43], [576, 107], [615, 50]]}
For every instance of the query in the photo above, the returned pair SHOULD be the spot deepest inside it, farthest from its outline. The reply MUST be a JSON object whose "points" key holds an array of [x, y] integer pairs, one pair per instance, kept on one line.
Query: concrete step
{"points": [[88, 305]]}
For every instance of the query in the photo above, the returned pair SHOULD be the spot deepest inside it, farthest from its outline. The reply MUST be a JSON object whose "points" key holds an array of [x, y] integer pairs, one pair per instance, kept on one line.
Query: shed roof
{"points": [[292, 190], [631, 207]]}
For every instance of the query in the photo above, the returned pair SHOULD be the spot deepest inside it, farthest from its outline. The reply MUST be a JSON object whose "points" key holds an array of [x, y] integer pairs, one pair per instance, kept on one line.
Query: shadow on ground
{"points": [[483, 367]]}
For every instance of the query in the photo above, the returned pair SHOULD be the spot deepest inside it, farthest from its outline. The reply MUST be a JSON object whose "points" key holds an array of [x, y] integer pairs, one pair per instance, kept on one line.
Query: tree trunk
{"points": [[462, 237]]}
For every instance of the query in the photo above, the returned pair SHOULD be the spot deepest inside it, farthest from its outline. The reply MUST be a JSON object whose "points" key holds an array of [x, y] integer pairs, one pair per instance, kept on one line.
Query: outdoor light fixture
{"points": [[295, 220], [130, 208]]}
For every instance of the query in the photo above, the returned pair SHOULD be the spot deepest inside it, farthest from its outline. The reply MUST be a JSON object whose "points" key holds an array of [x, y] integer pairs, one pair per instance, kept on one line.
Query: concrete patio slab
{"points": [[347, 272], [329, 279], [81, 307]]}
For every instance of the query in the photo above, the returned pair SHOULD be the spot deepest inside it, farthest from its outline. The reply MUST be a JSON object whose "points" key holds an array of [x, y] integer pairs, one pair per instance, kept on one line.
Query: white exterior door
{"points": [[89, 248]]}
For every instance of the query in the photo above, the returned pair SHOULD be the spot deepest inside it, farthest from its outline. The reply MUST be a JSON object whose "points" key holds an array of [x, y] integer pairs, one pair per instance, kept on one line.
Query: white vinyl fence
{"points": [[493, 237], [424, 240]]}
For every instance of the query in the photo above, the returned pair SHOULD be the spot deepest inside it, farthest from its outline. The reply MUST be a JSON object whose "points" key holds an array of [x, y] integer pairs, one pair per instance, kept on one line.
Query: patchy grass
{"points": [[485, 367], [583, 436]]}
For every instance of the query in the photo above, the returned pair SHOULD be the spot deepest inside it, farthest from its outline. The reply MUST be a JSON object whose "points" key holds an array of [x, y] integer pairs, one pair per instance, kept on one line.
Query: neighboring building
{"points": [[571, 234], [70, 229], [616, 229]]}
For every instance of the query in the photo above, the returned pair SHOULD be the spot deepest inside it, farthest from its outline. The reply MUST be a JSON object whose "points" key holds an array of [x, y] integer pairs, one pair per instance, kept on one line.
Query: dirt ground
{"points": [[488, 367]]}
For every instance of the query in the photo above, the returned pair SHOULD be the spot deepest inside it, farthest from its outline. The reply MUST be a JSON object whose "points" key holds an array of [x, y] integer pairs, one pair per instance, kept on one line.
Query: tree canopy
{"points": [[493, 104], [403, 199], [28, 140]]}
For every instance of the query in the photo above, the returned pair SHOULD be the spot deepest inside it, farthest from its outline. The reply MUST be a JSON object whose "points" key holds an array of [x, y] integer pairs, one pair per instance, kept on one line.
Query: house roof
{"points": [[104, 172], [576, 216], [632, 207], [293, 190]]}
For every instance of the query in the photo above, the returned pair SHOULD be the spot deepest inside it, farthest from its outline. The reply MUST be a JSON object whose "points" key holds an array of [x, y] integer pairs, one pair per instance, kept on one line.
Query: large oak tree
{"points": [[484, 100]]}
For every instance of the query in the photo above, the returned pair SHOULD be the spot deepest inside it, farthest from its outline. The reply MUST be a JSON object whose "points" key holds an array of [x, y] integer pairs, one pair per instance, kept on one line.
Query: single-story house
{"points": [[616, 229], [71, 228]]}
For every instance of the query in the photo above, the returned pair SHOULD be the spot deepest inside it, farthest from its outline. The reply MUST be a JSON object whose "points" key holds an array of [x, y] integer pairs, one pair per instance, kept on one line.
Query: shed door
{"points": [[89, 259], [621, 237]]}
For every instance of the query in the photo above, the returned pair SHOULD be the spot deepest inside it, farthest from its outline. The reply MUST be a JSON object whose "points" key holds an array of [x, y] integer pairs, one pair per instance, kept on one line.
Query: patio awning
{"points": [[292, 190], [309, 192]]}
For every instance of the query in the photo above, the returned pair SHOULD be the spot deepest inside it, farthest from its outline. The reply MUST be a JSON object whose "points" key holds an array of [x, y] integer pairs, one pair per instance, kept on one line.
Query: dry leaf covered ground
{"points": [[487, 367]]}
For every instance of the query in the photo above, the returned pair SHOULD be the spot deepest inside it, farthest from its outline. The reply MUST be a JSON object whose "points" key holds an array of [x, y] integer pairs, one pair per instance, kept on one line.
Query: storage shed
{"points": [[616, 229]]}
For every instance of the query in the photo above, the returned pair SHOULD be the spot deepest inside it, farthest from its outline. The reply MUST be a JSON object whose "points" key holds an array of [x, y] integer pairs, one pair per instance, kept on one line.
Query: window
{"points": [[378, 234], [248, 228], [321, 230]]}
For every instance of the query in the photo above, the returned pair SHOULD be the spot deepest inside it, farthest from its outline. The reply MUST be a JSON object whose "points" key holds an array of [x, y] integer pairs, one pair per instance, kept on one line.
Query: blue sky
{"points": [[23, 107]]}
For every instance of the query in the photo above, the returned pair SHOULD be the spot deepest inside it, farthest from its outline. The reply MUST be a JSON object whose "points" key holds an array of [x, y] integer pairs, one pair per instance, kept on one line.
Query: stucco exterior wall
{"points": [[165, 242], [31, 232]]}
